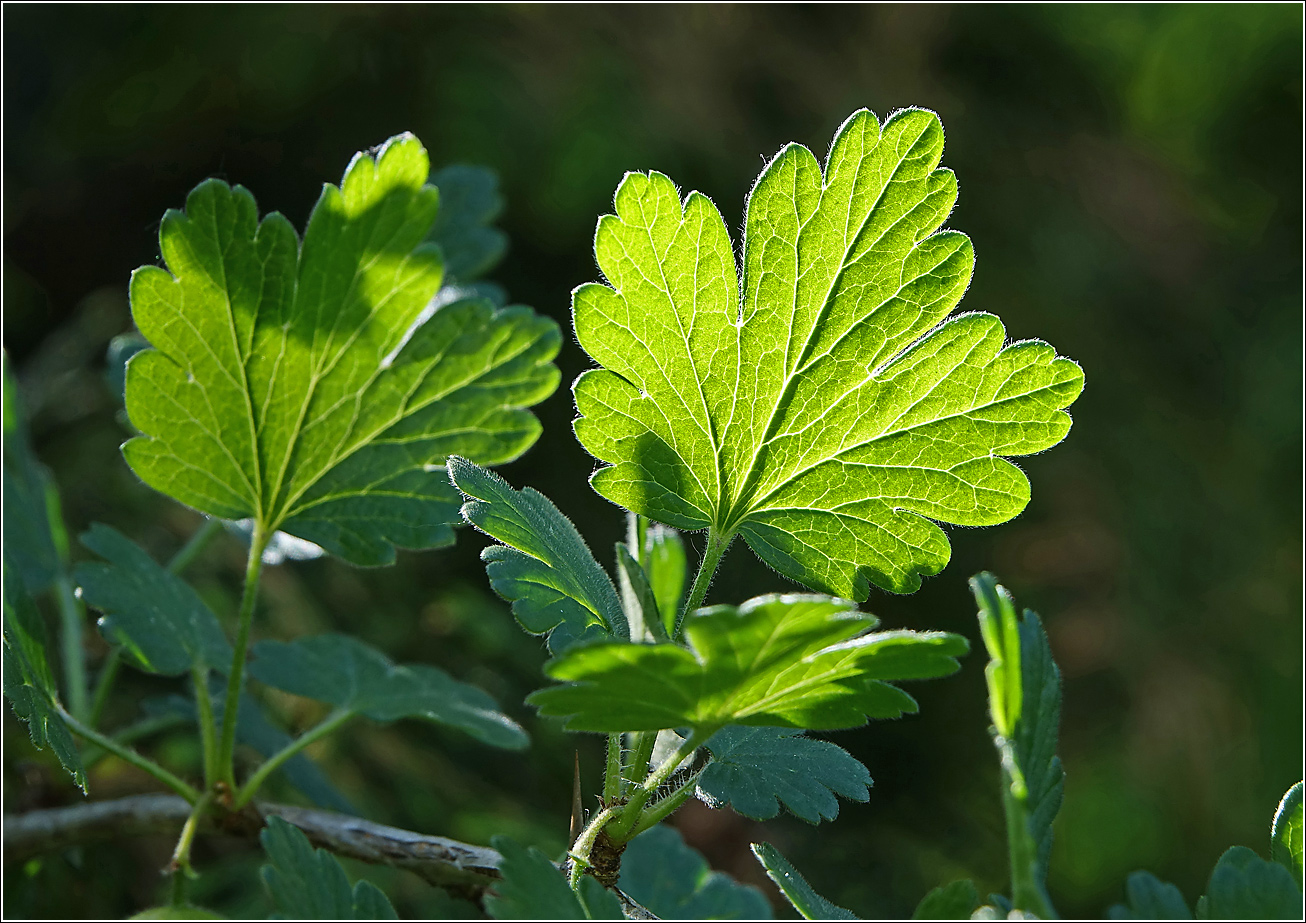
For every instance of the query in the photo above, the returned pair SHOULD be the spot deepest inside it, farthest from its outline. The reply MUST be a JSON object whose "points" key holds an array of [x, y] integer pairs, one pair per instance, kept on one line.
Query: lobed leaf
{"points": [[754, 769], [1149, 898], [354, 677], [785, 661], [310, 884], [1286, 832], [534, 889], [814, 398], [34, 537], [469, 203], [28, 681], [1243, 886], [299, 385], [156, 618], [544, 568], [673, 882], [954, 901], [809, 904]]}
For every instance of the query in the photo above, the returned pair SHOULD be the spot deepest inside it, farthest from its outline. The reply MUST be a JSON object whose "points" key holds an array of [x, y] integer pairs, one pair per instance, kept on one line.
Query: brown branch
{"points": [[462, 868]]}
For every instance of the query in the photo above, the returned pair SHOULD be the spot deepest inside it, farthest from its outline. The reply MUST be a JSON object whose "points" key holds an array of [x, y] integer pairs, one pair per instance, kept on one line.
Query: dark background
{"points": [[1131, 178]]}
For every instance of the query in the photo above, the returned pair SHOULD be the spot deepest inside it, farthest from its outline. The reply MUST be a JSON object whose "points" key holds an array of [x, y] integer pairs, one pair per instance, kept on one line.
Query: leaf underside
{"points": [[293, 383], [780, 661], [828, 413], [310, 884], [673, 882], [754, 770]]}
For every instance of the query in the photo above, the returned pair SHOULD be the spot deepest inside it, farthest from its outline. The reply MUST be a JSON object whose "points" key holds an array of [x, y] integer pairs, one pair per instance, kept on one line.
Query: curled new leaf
{"points": [[304, 386], [785, 661], [813, 399]]}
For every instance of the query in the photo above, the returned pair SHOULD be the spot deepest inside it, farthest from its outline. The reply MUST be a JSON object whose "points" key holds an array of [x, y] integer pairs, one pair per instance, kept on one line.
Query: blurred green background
{"points": [[1132, 179]]}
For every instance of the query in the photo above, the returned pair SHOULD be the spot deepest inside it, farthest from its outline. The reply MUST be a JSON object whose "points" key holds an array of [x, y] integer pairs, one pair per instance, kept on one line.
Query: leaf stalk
{"points": [[235, 679], [716, 547], [127, 755], [331, 723]]}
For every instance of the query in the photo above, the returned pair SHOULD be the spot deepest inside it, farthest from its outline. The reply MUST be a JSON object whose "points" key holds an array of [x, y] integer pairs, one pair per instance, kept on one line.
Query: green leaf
{"points": [[469, 203], [785, 661], [664, 563], [310, 884], [954, 901], [1286, 833], [1244, 886], [1149, 898], [754, 769], [544, 568], [177, 912], [1025, 704], [292, 384], [795, 888], [154, 616], [673, 881], [534, 889], [28, 680], [121, 349], [357, 678], [34, 537], [832, 415], [642, 606]]}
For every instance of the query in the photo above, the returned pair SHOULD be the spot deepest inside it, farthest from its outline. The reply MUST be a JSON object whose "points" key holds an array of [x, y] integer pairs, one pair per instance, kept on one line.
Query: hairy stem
{"points": [[1027, 892], [580, 850], [208, 729], [180, 865], [632, 813], [716, 547], [72, 618], [133, 732], [612, 773], [331, 723], [637, 769], [126, 754], [253, 567], [663, 808]]}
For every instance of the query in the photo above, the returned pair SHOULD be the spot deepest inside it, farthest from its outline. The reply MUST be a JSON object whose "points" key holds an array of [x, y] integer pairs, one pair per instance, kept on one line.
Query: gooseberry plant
{"points": [[345, 392]]}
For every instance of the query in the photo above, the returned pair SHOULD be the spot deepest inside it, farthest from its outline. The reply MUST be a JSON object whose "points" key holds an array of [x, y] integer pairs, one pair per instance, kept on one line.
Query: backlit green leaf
{"points": [[544, 568], [28, 681], [1286, 833], [809, 904], [833, 414], [350, 675], [1244, 886], [154, 616], [755, 769], [954, 901], [784, 661], [674, 882], [534, 889], [664, 563], [310, 884], [291, 383]]}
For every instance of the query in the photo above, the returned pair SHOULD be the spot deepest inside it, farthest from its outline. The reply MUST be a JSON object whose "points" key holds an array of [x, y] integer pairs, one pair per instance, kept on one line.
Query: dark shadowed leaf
{"points": [[674, 882], [310, 884], [809, 904], [534, 889], [954, 901]]}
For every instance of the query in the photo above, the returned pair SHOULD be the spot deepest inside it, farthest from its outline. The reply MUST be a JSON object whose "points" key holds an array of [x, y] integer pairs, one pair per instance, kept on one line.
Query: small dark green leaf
{"points": [[28, 681], [795, 887], [534, 889], [310, 884], [1286, 833], [352, 676], [160, 623], [782, 661], [469, 203], [673, 881], [121, 349], [34, 537], [544, 568], [954, 901], [664, 563], [642, 609], [1149, 898], [755, 768], [1244, 886]]}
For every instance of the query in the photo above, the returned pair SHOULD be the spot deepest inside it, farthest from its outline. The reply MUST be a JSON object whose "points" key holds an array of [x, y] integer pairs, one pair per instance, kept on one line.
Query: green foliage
{"points": [[755, 769], [152, 615], [28, 680], [360, 680], [293, 385], [663, 558], [469, 202], [34, 537], [673, 882], [1025, 704], [832, 415], [534, 889], [954, 901], [310, 884], [786, 661], [1244, 886], [809, 904], [1149, 898], [544, 568], [1286, 833]]}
